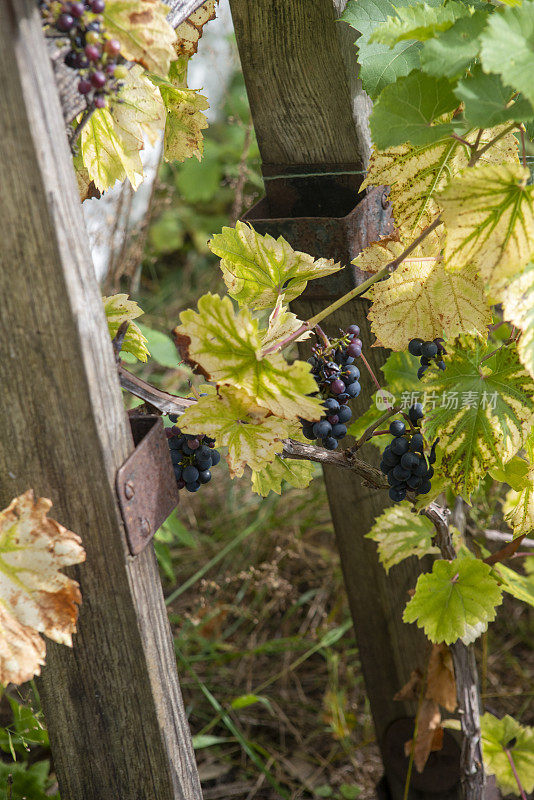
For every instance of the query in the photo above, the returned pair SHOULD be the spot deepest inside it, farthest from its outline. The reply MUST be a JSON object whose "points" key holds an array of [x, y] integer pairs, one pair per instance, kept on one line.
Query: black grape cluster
{"points": [[337, 378], [427, 352], [192, 457], [93, 54], [404, 462]]}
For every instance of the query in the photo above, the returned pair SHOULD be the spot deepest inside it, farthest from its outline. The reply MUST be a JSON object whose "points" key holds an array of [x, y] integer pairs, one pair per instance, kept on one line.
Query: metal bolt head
{"points": [[145, 527], [129, 490]]}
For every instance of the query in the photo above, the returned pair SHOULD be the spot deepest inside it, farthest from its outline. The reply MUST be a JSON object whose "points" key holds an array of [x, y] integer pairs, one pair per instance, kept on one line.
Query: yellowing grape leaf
{"points": [[454, 599], [489, 216], [257, 269], [252, 435], [519, 586], [269, 479], [227, 345], [107, 155], [34, 596], [518, 507], [185, 120], [498, 735], [118, 309], [142, 29], [518, 308], [86, 186], [481, 408], [379, 254], [282, 323], [416, 175], [400, 534], [421, 298], [138, 108], [190, 31]]}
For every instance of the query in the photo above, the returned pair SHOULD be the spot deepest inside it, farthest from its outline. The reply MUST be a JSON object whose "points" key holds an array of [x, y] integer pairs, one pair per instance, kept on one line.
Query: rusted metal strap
{"points": [[145, 484]]}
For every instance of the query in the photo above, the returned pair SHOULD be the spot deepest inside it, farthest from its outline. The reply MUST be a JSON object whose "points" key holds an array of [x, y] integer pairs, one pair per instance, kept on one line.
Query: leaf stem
{"points": [[516, 776], [368, 432], [479, 153]]}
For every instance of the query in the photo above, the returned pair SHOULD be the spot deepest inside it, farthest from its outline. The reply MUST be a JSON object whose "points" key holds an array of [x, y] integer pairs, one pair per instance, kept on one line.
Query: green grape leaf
{"points": [[118, 309], [518, 508], [107, 156], [423, 299], [184, 121], [258, 269], [410, 109], [419, 21], [497, 736], [487, 100], [518, 308], [514, 473], [142, 29], [226, 345], [454, 50], [455, 599], [481, 408], [519, 586], [138, 108], [400, 534], [269, 479], [416, 175], [508, 47], [489, 216], [379, 65], [252, 435]]}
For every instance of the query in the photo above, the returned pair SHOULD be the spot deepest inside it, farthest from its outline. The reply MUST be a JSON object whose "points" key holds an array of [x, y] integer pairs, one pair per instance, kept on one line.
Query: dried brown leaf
{"points": [[441, 685], [429, 734]]}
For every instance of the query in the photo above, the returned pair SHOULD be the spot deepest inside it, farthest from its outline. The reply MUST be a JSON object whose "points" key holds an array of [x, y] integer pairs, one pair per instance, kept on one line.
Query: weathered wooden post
{"points": [[112, 704], [310, 116]]}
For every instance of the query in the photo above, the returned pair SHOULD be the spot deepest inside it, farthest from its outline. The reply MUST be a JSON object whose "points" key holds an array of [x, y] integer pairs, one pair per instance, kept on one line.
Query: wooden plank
{"points": [[300, 72], [113, 706]]}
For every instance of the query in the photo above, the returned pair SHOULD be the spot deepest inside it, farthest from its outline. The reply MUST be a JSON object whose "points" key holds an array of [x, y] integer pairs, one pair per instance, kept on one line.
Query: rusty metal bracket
{"points": [[341, 238], [145, 484]]}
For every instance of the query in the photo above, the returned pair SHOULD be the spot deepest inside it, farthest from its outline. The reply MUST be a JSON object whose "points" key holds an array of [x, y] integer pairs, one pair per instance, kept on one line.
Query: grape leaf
{"points": [[282, 323], [143, 31], [138, 108], [518, 308], [508, 46], [379, 254], [482, 410], [257, 269], [487, 100], [422, 299], [226, 345], [489, 216], [410, 109], [454, 598], [499, 734], [185, 121], [450, 53], [118, 309], [417, 174], [232, 417], [519, 586], [107, 156], [518, 507], [297, 473], [190, 31], [419, 21], [35, 597], [400, 534], [379, 65]]}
